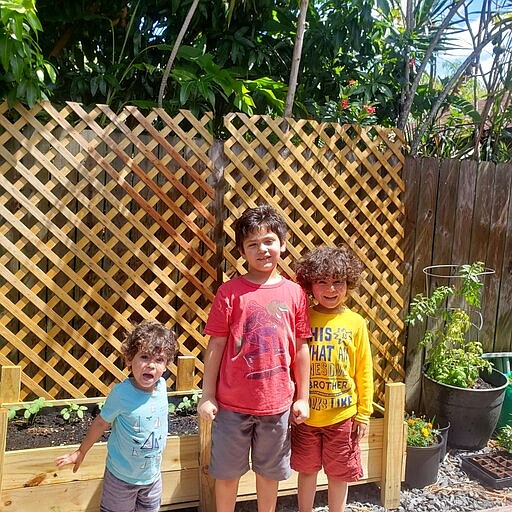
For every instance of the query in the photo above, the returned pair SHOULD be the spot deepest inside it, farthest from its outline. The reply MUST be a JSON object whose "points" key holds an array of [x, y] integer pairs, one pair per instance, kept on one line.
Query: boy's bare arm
{"points": [[207, 407], [300, 409], [98, 426]]}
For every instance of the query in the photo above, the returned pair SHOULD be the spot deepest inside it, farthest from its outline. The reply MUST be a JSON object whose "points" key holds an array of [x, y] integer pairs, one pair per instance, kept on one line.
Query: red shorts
{"points": [[335, 448]]}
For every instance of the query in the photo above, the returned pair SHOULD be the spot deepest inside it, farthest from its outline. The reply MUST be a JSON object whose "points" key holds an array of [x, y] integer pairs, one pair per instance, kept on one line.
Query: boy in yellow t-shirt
{"points": [[341, 379]]}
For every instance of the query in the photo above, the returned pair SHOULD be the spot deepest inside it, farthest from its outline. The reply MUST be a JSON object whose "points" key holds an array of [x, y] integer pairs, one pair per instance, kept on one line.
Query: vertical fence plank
{"points": [[500, 205], [446, 212], [206, 482], [503, 332], [480, 228], [3, 439], [185, 372], [425, 176], [464, 211], [393, 448], [10, 384]]}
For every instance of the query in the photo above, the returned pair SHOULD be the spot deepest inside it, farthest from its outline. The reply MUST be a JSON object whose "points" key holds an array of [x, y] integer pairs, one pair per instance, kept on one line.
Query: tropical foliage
{"points": [[25, 74], [362, 61]]}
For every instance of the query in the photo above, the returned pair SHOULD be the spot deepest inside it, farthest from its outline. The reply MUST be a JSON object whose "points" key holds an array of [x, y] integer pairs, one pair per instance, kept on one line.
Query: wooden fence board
{"points": [[503, 331], [500, 205], [445, 215]]}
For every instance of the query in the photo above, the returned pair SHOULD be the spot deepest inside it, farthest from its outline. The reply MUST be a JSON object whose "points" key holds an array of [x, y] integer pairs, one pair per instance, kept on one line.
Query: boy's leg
{"points": [[266, 493], [337, 491], [306, 490], [225, 494]]}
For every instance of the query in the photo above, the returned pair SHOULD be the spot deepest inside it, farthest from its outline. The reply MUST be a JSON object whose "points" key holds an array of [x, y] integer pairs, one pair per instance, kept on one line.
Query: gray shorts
{"points": [[267, 438], [119, 496]]}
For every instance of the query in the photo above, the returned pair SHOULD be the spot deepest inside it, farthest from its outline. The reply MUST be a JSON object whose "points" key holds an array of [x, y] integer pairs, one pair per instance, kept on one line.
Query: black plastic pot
{"points": [[422, 464], [472, 413]]}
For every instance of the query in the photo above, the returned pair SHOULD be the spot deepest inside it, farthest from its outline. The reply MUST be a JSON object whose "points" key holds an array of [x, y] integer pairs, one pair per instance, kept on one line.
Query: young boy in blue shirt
{"points": [[137, 409]]}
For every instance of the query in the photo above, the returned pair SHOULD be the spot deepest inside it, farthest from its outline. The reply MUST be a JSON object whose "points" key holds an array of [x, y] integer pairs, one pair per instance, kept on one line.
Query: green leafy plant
{"points": [[420, 431], [12, 412], [73, 412], [24, 72], [451, 356], [504, 439], [32, 409], [187, 406]]}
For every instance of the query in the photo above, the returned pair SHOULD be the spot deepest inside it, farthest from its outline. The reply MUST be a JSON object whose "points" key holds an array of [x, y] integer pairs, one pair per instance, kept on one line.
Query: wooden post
{"points": [[10, 384], [3, 440], [393, 445], [206, 482], [186, 368]]}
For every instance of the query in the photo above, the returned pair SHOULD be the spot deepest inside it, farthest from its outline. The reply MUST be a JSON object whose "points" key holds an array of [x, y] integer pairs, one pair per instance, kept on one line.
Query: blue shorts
{"points": [[120, 496], [267, 438]]}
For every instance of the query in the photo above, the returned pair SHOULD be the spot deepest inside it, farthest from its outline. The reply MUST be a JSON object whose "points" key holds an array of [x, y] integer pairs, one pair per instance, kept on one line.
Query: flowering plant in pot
{"points": [[453, 357], [424, 445], [421, 431]]}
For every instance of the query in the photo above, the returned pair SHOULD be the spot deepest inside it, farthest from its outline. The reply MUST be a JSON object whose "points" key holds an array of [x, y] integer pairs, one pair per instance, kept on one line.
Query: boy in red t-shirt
{"points": [[256, 366]]}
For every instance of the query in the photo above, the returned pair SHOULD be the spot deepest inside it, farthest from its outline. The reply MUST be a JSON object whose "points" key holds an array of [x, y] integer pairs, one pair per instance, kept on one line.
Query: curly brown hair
{"points": [[152, 337], [329, 263]]}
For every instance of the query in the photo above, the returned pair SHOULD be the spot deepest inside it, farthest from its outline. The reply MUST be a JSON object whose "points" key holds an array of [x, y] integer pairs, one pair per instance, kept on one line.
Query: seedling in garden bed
{"points": [[187, 406], [33, 409], [11, 413], [73, 412]]}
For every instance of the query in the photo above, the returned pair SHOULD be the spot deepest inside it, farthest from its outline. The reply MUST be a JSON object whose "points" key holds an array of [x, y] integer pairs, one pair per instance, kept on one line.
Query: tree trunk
{"points": [[297, 52], [174, 51]]}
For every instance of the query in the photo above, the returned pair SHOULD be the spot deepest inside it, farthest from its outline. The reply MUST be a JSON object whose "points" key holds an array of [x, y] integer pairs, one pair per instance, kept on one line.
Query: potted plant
{"points": [[459, 386], [424, 445]]}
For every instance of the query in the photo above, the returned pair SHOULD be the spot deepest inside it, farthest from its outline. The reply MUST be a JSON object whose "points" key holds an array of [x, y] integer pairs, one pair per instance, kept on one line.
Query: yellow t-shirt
{"points": [[341, 376]]}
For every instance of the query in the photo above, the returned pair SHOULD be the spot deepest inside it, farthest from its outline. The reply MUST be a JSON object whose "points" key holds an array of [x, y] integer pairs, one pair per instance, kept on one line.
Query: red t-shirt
{"points": [[261, 324]]}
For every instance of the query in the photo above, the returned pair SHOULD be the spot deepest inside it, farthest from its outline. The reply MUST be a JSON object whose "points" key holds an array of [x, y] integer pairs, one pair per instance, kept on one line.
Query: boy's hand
{"points": [[360, 428], [207, 408], [75, 458], [300, 411]]}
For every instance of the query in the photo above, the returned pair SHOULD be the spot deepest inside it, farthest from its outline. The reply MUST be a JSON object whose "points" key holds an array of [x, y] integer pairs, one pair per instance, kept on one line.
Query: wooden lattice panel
{"points": [[106, 220], [334, 184]]}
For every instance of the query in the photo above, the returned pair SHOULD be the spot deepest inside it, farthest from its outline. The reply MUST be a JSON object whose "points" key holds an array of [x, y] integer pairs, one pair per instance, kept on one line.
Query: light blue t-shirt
{"points": [[139, 431]]}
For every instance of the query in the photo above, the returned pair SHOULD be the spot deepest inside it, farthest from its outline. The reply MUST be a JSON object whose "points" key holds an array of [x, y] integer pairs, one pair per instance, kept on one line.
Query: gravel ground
{"points": [[454, 491]]}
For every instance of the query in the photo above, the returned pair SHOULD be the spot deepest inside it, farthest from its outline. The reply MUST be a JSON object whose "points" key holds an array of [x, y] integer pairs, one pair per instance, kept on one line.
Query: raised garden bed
{"points": [[494, 469], [29, 476]]}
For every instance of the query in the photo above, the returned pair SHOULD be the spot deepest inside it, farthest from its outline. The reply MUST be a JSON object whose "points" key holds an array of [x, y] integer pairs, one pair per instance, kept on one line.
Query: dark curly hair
{"points": [[261, 217], [329, 263], [152, 337]]}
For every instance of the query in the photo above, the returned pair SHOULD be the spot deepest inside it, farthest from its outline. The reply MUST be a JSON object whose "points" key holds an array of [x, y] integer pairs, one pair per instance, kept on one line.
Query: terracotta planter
{"points": [[422, 464]]}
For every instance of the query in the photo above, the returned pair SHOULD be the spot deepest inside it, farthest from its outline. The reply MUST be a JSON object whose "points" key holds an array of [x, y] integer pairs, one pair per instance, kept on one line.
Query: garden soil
{"points": [[50, 429]]}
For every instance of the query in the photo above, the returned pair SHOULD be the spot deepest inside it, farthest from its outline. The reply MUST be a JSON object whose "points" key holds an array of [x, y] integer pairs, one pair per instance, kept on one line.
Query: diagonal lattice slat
{"points": [[336, 184]]}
